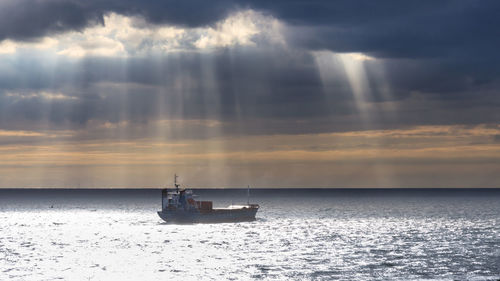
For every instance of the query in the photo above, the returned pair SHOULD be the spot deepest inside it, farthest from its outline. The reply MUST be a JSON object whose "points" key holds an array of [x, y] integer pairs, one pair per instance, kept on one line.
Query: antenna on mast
{"points": [[175, 183]]}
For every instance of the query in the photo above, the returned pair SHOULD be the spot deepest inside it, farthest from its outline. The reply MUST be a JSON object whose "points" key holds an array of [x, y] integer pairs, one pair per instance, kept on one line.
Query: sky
{"points": [[125, 93]]}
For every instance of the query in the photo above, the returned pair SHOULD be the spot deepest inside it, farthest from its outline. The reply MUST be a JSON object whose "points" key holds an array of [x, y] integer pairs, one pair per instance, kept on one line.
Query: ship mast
{"points": [[175, 183], [248, 195]]}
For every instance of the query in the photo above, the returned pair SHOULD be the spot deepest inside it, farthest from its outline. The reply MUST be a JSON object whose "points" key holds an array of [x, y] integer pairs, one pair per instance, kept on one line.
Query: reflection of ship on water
{"points": [[179, 206]]}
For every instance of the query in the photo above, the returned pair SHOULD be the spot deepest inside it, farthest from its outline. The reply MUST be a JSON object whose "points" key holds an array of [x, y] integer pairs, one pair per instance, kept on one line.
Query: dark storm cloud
{"points": [[462, 29], [439, 60], [26, 20], [29, 19], [403, 29]]}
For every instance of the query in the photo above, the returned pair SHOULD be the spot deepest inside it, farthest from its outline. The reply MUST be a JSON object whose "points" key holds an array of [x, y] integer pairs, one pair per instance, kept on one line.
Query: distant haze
{"points": [[268, 93]]}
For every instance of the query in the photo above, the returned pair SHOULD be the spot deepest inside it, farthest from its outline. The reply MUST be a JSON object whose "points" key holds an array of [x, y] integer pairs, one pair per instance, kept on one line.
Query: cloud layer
{"points": [[93, 73]]}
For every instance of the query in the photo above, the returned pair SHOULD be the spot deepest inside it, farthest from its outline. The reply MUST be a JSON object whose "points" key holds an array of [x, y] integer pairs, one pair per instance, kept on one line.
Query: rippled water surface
{"points": [[299, 234]]}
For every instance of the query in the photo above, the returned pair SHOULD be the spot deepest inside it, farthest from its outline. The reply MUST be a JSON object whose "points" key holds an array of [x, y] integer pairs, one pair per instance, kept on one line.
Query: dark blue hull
{"points": [[212, 216]]}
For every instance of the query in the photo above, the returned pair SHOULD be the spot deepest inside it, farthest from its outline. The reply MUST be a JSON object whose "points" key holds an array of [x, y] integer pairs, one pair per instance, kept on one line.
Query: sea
{"points": [[299, 234]]}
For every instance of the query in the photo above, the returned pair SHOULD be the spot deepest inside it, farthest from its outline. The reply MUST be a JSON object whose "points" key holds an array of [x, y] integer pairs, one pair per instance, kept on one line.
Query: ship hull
{"points": [[212, 216]]}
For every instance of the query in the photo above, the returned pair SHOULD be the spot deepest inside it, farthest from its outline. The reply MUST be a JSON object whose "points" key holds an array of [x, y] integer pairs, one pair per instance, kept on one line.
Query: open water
{"points": [[298, 235]]}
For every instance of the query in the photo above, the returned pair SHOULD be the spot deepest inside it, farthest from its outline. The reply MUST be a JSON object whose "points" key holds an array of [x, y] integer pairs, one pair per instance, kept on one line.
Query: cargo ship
{"points": [[179, 206]]}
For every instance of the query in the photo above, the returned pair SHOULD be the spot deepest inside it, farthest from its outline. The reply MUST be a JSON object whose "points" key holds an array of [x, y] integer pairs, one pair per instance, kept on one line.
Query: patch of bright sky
{"points": [[123, 36], [43, 94]]}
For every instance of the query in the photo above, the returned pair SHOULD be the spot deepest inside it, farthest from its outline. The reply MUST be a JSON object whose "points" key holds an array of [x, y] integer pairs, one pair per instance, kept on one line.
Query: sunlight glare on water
{"points": [[296, 236]]}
